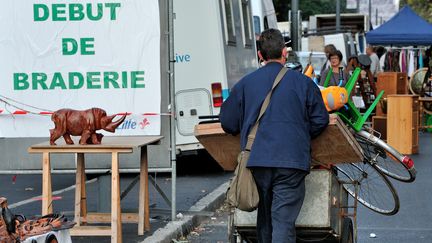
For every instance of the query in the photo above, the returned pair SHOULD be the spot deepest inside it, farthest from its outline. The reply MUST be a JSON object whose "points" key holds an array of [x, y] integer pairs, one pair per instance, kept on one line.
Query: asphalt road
{"points": [[412, 224], [197, 176]]}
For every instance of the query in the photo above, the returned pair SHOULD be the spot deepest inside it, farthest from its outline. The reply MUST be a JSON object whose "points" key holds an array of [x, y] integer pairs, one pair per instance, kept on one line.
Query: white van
{"points": [[264, 16], [214, 46]]}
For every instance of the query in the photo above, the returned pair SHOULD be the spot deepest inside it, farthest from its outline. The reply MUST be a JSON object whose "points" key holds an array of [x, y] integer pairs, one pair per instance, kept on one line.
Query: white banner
{"points": [[58, 54]]}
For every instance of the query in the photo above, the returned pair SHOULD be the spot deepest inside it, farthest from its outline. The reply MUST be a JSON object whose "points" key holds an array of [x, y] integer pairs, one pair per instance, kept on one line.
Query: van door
{"points": [[190, 104]]}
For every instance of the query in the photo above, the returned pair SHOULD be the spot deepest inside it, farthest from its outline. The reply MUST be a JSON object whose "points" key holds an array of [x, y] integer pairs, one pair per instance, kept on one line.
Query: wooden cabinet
{"points": [[379, 124], [402, 123], [391, 83]]}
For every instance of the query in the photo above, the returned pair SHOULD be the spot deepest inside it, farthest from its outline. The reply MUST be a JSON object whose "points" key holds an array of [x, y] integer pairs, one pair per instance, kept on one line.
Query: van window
{"points": [[228, 19], [257, 27], [246, 24]]}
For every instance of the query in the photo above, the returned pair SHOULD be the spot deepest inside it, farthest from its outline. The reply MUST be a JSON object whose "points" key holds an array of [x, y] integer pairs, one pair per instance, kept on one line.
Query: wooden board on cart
{"points": [[335, 145], [223, 147]]}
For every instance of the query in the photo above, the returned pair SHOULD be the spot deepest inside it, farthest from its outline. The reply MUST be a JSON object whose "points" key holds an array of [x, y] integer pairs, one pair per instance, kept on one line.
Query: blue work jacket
{"points": [[296, 114]]}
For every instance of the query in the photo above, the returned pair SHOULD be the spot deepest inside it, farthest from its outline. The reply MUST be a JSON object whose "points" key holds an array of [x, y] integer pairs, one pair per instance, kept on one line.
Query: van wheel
{"points": [[347, 235]]}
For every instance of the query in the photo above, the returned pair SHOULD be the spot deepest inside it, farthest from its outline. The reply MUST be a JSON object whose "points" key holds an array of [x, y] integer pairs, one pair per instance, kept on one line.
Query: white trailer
{"points": [[214, 47]]}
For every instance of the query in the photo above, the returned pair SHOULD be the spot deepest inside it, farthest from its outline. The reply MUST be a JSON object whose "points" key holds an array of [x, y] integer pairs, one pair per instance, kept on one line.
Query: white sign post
{"points": [[77, 54]]}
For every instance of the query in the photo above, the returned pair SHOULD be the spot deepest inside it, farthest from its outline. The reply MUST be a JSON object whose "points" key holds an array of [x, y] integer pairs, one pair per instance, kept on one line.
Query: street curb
{"points": [[174, 229]]}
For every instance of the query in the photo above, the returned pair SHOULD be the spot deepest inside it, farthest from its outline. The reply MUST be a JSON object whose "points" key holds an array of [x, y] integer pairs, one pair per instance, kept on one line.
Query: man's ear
{"points": [[260, 56], [284, 52]]}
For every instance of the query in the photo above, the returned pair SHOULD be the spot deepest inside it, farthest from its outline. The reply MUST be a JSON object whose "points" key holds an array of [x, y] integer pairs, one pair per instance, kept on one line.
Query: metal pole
{"points": [[358, 6], [370, 11], [376, 16], [338, 16], [294, 25], [172, 109]]}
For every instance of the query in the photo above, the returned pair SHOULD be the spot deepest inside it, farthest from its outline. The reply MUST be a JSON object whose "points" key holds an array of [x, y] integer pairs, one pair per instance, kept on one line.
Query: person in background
{"points": [[280, 155], [375, 62], [335, 59], [330, 48]]}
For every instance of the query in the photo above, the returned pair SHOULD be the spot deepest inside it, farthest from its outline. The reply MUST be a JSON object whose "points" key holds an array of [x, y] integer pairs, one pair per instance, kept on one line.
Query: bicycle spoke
{"points": [[374, 190], [379, 154]]}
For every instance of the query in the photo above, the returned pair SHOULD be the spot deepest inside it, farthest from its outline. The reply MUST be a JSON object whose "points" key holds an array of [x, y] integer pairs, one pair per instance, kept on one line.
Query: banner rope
{"points": [[21, 111], [4, 98]]}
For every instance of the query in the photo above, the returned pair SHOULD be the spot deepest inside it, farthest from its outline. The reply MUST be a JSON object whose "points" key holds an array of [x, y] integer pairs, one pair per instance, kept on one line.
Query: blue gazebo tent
{"points": [[406, 28]]}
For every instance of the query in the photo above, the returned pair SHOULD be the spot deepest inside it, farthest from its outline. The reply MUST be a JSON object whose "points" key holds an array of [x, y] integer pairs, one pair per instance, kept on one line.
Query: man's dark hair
{"points": [[271, 44], [336, 53]]}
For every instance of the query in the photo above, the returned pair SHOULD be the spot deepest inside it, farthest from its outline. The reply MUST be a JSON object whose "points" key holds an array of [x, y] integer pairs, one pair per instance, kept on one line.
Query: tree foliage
{"points": [[310, 7], [421, 7]]}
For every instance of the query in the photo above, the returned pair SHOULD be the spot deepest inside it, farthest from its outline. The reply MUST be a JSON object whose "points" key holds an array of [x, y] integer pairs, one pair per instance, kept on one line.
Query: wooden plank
{"points": [[93, 218], [110, 142], [335, 145], [81, 150], [78, 189], [115, 200], [144, 200], [83, 188], [90, 231], [224, 148], [46, 185]]}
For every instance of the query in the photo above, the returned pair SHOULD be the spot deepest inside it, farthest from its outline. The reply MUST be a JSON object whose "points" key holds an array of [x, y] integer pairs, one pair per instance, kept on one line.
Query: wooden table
{"points": [[113, 146]]}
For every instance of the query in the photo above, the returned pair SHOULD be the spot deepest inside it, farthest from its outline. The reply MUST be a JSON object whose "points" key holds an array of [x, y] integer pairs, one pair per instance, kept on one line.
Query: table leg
{"points": [[83, 190], [46, 184], [80, 203], [144, 202], [115, 200]]}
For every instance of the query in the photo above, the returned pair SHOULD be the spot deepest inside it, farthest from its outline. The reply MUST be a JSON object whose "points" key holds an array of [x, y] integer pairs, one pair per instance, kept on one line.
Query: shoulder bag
{"points": [[242, 192]]}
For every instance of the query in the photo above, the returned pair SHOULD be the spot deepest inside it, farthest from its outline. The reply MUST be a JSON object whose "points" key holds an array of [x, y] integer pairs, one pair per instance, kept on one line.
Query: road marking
{"points": [[36, 198], [393, 229]]}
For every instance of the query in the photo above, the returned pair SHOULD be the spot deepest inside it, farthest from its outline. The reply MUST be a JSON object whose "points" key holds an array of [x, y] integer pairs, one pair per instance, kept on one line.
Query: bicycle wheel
{"points": [[374, 190], [386, 158]]}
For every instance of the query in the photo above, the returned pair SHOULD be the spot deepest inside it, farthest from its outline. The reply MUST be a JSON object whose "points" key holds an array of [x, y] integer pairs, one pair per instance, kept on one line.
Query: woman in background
{"points": [[335, 59]]}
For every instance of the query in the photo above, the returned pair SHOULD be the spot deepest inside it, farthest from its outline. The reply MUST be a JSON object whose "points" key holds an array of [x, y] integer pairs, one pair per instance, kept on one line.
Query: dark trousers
{"points": [[281, 192]]}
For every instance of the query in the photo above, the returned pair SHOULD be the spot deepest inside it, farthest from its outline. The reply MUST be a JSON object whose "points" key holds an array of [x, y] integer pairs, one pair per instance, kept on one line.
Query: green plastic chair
{"points": [[350, 114]]}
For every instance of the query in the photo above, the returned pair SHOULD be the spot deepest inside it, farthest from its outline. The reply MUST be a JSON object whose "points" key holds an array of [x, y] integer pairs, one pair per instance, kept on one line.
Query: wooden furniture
{"points": [[422, 120], [223, 147], [335, 145], [113, 146], [402, 123], [391, 83], [379, 124]]}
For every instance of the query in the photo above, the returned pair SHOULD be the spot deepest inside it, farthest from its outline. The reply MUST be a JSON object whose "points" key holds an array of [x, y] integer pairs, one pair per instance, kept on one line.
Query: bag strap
{"points": [[252, 133]]}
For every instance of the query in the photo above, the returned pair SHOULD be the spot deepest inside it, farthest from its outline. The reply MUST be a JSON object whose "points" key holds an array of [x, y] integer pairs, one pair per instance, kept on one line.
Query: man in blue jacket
{"points": [[280, 155]]}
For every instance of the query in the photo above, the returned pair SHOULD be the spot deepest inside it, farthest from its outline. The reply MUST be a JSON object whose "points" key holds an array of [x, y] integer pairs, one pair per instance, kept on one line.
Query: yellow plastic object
{"points": [[334, 97], [309, 71]]}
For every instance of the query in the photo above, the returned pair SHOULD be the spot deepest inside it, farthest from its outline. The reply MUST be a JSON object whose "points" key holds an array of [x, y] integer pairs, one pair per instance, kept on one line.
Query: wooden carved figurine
{"points": [[16, 228], [82, 123]]}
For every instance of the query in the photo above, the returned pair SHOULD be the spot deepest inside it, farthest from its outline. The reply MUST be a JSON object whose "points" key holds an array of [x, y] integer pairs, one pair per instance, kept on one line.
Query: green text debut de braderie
{"points": [[72, 46]]}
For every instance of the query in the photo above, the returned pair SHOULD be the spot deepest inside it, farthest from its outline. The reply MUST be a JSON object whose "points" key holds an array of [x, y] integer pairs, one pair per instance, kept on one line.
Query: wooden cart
{"points": [[325, 214], [335, 145]]}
